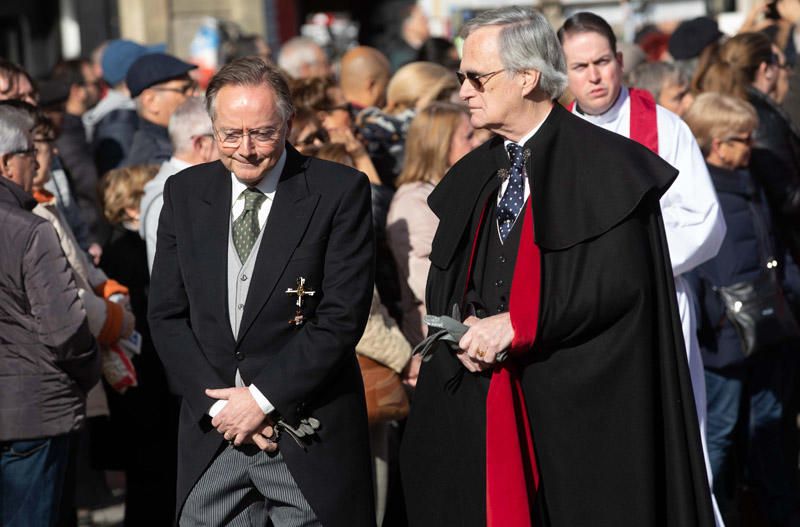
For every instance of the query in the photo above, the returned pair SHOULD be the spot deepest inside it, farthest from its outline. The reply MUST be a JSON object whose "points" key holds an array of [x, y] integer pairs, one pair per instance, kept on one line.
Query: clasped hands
{"points": [[242, 421], [485, 338]]}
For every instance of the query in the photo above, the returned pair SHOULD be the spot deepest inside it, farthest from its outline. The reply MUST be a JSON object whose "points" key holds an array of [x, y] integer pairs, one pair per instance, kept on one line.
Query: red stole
{"points": [[644, 121], [512, 477]]}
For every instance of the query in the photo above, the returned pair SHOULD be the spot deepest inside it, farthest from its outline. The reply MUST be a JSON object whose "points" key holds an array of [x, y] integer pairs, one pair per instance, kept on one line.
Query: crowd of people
{"points": [[659, 179]]}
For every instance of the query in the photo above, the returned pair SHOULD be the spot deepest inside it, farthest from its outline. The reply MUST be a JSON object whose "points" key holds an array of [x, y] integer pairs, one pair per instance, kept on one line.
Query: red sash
{"points": [[512, 476], [644, 121]]}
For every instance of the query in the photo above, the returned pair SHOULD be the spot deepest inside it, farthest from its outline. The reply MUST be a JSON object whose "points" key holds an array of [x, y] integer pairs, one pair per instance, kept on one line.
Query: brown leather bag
{"points": [[385, 394]]}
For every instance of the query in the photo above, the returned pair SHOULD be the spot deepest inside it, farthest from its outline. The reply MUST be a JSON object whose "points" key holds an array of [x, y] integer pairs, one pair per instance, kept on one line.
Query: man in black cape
{"points": [[551, 240]]}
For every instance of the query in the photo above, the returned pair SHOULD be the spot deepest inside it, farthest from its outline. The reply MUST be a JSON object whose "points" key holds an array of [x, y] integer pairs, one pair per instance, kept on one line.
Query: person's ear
{"points": [[5, 169], [716, 147], [530, 80], [148, 98], [620, 60]]}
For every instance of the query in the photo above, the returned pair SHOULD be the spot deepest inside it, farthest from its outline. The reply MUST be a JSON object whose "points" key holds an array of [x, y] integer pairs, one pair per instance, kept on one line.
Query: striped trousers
{"points": [[245, 487]]}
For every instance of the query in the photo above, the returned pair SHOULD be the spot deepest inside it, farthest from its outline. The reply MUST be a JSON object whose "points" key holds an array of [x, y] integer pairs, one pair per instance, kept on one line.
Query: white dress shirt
{"points": [[268, 185]]}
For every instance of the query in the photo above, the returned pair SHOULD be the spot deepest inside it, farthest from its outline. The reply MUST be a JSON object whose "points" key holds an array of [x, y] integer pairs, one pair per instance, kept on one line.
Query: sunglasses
{"points": [[320, 135], [477, 80]]}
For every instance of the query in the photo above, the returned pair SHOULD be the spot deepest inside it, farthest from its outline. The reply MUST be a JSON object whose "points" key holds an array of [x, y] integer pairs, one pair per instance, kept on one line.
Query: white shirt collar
{"points": [[267, 185], [527, 137], [612, 114], [178, 164]]}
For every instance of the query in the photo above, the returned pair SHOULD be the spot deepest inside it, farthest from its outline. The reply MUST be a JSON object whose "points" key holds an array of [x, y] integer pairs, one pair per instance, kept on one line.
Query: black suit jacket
{"points": [[319, 228]]}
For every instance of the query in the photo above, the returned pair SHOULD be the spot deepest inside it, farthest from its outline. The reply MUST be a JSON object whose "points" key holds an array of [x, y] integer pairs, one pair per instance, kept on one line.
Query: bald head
{"points": [[364, 76]]}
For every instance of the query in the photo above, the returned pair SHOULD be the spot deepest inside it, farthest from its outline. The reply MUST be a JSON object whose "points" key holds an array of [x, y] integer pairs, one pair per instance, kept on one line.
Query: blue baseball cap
{"points": [[154, 68], [120, 54]]}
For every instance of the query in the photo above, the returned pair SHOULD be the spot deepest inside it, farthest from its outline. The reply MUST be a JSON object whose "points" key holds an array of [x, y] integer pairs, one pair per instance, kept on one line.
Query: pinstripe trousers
{"points": [[244, 487]]}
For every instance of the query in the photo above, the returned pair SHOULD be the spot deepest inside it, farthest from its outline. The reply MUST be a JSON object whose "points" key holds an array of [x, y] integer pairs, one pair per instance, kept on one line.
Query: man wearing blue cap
{"points": [[111, 124], [159, 83]]}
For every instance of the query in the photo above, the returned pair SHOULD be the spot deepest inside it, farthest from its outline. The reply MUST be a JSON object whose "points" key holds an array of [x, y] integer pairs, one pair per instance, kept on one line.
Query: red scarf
{"points": [[512, 474], [644, 121], [512, 477]]}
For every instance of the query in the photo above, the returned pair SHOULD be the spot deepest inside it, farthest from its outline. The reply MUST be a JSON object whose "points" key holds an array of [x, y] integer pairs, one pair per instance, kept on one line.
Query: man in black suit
{"points": [[273, 422]]}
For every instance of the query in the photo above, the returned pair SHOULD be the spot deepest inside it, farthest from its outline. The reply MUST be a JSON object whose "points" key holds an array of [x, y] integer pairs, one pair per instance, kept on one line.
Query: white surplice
{"points": [[693, 222]]}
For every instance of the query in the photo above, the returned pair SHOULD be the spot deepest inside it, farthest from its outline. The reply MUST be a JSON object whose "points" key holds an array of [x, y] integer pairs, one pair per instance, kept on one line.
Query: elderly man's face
{"points": [[250, 131], [494, 98], [20, 167], [166, 98], [594, 71], [675, 97]]}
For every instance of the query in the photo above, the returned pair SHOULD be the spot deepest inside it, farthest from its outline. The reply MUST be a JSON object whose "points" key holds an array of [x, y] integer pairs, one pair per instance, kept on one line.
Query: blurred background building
{"points": [[37, 33]]}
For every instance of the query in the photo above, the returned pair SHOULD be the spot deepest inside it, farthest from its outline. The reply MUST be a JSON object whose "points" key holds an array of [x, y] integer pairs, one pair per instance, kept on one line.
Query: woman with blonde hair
{"points": [[416, 85], [438, 137], [747, 67], [144, 419], [724, 126], [410, 89]]}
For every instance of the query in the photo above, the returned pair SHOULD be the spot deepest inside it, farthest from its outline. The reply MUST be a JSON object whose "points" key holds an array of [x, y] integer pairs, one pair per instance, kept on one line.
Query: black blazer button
{"points": [[239, 355]]}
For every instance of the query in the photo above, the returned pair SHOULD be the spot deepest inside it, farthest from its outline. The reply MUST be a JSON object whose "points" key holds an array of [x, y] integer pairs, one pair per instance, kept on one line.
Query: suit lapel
{"points": [[288, 218], [212, 225]]}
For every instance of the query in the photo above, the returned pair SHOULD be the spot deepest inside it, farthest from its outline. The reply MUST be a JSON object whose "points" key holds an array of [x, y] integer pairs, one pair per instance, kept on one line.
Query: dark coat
{"points": [[151, 145], [606, 384], [775, 164], [319, 228], [76, 159], [748, 245], [141, 440], [48, 360], [113, 137]]}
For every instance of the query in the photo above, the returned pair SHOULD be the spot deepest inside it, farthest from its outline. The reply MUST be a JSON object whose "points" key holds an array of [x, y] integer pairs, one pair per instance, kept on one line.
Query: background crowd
{"points": [[88, 149]]}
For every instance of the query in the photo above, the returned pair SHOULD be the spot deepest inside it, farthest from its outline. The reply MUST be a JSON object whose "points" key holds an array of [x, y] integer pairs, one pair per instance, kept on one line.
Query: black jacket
{"points": [[775, 163], [606, 383], [748, 245], [151, 145], [319, 228], [76, 159], [48, 360]]}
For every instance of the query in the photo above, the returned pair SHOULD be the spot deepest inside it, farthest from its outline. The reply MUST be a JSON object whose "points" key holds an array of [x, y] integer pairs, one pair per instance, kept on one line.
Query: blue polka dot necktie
{"points": [[245, 227], [514, 196]]}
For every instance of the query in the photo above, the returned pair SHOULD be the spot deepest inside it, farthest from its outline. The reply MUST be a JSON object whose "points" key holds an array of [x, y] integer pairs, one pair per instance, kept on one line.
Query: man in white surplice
{"points": [[693, 220]]}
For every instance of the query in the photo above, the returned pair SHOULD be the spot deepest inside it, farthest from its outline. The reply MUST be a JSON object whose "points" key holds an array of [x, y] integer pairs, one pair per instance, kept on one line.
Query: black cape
{"points": [[606, 384]]}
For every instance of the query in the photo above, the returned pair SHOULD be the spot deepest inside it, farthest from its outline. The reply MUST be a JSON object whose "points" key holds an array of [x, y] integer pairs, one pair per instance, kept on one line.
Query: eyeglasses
{"points": [[186, 89], [347, 107], [233, 138], [775, 60], [475, 78], [748, 140], [28, 152], [320, 134]]}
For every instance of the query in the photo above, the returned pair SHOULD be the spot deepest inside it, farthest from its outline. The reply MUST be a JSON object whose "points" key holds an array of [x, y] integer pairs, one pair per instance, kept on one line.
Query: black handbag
{"points": [[759, 312]]}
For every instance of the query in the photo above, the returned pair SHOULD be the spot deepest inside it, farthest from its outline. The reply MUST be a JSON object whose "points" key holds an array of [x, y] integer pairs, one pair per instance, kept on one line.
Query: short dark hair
{"points": [[586, 22], [251, 71]]}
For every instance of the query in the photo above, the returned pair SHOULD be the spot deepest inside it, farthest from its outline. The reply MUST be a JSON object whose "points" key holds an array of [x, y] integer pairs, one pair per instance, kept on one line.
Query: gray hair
{"points": [[15, 129], [251, 71], [296, 53], [527, 41], [652, 76], [189, 120]]}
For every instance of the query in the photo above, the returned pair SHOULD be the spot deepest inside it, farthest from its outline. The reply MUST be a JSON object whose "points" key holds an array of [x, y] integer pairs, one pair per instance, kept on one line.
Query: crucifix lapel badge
{"points": [[300, 292]]}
